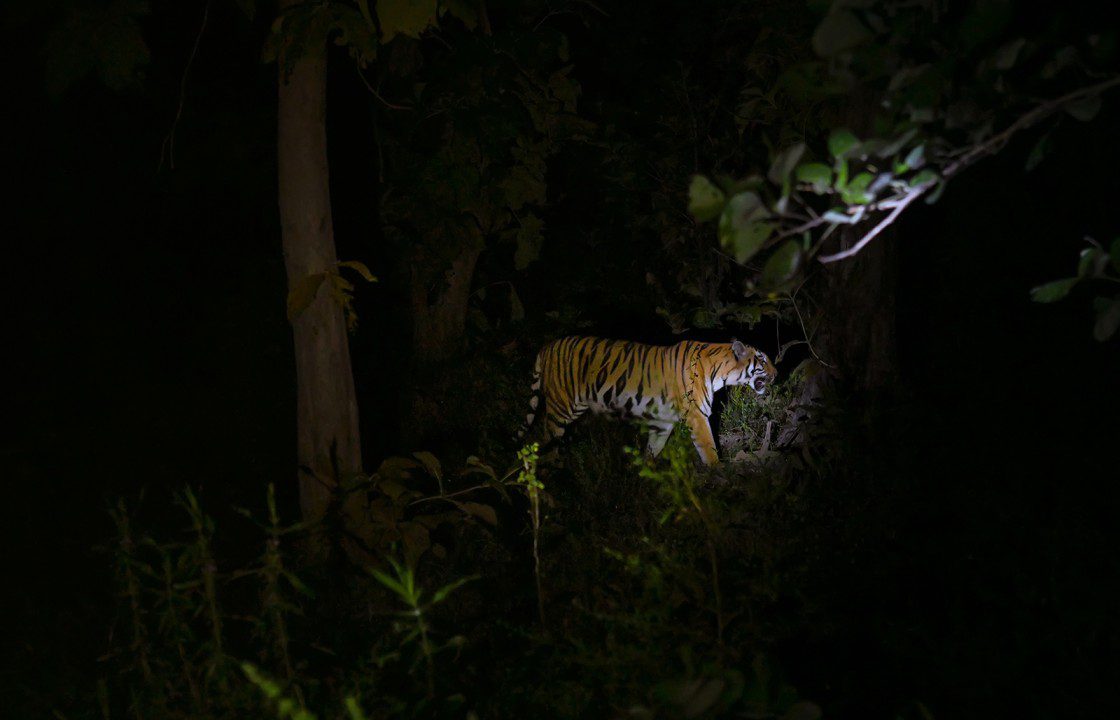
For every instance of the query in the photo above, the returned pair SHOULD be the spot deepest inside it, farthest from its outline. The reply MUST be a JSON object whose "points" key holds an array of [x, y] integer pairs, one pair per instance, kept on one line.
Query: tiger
{"points": [[658, 384]]}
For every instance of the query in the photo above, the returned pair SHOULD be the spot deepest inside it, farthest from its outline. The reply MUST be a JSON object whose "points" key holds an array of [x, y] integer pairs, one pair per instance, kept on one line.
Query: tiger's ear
{"points": [[739, 349]]}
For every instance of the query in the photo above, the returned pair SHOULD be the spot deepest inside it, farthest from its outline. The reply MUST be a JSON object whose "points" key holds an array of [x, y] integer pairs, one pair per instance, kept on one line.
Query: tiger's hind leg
{"points": [[557, 420], [554, 427]]}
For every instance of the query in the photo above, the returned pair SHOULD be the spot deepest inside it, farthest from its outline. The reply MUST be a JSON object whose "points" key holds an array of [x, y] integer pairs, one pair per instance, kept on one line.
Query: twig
{"points": [[448, 496], [168, 146], [804, 331], [910, 197], [377, 95], [809, 225]]}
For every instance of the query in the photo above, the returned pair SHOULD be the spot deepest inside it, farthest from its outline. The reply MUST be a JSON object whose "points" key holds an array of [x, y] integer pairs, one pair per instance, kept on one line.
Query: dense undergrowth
{"points": [[606, 585]]}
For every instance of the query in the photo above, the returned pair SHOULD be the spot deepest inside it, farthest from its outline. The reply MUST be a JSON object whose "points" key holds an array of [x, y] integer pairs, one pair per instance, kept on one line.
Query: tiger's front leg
{"points": [[702, 436]]}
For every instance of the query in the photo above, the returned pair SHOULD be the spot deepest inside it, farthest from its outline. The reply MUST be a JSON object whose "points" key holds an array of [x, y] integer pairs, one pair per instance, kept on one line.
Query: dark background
{"points": [[148, 348]]}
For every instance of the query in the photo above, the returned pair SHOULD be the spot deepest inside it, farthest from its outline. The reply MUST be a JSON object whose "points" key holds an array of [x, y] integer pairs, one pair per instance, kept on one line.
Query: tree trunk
{"points": [[328, 446], [855, 335], [857, 322], [439, 304], [439, 308]]}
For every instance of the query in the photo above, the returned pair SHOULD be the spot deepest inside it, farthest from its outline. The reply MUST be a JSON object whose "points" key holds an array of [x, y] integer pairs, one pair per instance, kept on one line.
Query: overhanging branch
{"points": [[988, 147]]}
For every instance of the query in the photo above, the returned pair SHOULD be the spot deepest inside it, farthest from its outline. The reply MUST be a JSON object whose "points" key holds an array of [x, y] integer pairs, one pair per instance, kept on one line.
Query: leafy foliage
{"points": [[927, 78], [466, 165], [1095, 267]]}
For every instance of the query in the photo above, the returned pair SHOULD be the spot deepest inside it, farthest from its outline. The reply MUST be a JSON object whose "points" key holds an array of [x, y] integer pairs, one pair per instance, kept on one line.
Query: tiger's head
{"points": [[752, 368]]}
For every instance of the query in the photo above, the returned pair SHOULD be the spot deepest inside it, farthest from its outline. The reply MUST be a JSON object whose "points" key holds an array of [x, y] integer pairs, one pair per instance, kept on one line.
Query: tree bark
{"points": [[855, 336], [857, 323], [328, 443], [439, 303], [439, 308]]}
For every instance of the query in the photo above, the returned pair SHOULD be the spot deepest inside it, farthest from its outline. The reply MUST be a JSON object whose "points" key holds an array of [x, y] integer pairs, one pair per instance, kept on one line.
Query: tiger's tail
{"points": [[534, 401]]}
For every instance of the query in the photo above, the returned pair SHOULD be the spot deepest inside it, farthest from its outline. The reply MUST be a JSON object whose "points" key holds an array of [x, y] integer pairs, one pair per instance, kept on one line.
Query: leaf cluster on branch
{"points": [[939, 89]]}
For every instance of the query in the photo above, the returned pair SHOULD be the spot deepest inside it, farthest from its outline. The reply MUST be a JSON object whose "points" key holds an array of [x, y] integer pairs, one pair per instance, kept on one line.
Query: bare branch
{"points": [[377, 95], [910, 197], [1041, 112]]}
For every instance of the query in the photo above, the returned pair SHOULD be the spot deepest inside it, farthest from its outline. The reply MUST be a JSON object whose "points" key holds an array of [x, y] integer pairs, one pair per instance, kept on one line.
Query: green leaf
{"points": [[266, 685], [1053, 291], [840, 30], [841, 142], [1084, 109], [856, 192], [747, 314], [705, 200], [298, 584], [391, 583], [817, 174], [353, 708], [782, 265], [784, 164], [923, 178], [916, 157], [750, 239], [430, 462], [841, 168], [405, 17], [1108, 320], [441, 594], [743, 227]]}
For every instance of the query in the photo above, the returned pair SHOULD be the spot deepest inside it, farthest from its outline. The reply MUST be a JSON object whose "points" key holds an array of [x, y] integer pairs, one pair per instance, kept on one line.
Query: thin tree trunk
{"points": [[439, 305], [855, 335], [328, 444], [439, 309], [857, 331]]}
